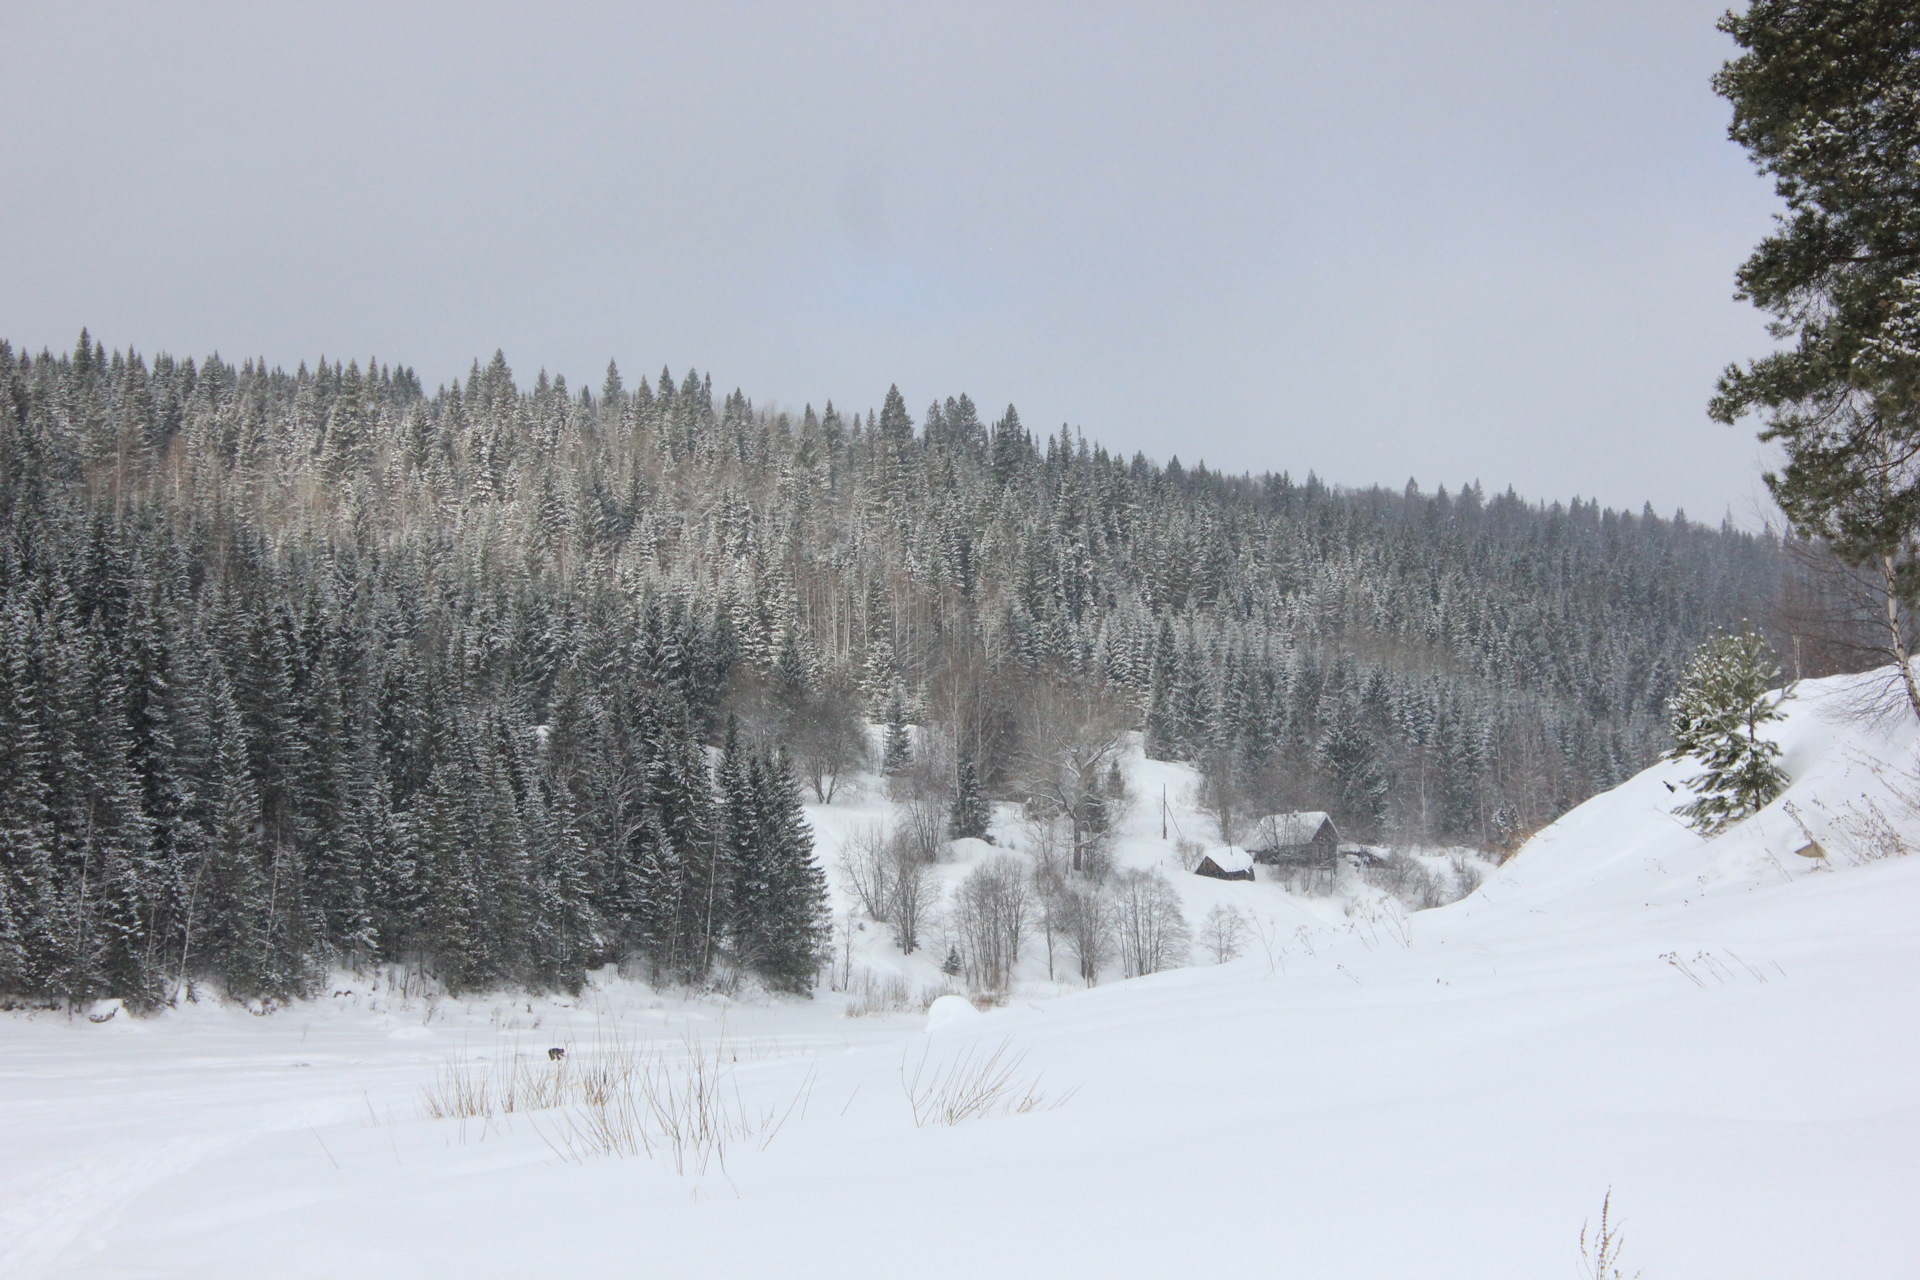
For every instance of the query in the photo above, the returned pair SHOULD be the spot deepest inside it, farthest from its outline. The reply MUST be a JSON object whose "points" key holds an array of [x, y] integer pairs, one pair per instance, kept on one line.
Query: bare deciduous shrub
{"points": [[840, 960], [1046, 840], [1148, 925], [1222, 933], [1308, 879], [1468, 875], [1190, 852], [990, 915], [877, 993], [921, 829], [912, 893], [874, 993], [1045, 837], [929, 780], [1083, 915], [1410, 882], [888, 872], [828, 741], [973, 1085], [1047, 913], [867, 868], [1406, 878], [1841, 617]]}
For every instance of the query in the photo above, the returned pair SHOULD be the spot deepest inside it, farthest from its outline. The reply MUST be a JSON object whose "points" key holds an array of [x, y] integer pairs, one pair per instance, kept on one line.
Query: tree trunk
{"points": [[1897, 636]]}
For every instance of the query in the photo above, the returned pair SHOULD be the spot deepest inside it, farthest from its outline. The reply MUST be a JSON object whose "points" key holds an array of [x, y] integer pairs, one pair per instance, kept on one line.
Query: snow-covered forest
{"points": [[298, 668]]}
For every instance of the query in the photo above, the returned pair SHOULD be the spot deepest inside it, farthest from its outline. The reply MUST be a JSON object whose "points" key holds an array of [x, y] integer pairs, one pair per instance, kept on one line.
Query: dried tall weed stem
{"points": [[467, 1087], [1600, 1255], [976, 1084], [621, 1098]]}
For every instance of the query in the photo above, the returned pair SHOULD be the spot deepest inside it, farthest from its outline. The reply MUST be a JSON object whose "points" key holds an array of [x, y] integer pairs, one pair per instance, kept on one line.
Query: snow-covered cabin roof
{"points": [[1278, 830], [1230, 858]]}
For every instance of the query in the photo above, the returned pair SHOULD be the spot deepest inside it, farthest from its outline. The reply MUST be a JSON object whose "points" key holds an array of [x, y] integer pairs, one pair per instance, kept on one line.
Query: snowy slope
{"points": [[1267, 909], [1720, 1031]]}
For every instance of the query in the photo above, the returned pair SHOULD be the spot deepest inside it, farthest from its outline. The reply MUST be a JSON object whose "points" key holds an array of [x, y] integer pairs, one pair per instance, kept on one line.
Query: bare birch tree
{"points": [[1085, 918], [990, 915], [1148, 925]]}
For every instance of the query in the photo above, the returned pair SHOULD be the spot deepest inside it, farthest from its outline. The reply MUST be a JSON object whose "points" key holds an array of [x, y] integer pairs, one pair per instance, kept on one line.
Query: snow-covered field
{"points": [[1722, 1032]]}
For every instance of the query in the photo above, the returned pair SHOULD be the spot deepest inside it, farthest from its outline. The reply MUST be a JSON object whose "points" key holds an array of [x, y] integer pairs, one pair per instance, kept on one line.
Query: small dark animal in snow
{"points": [[554, 1055]]}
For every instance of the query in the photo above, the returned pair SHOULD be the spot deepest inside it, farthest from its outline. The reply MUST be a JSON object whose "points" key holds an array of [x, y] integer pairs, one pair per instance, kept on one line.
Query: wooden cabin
{"points": [[1295, 838], [1229, 863]]}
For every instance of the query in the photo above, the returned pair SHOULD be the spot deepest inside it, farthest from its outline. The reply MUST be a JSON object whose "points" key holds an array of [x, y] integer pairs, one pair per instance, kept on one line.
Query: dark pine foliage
{"points": [[1826, 100]]}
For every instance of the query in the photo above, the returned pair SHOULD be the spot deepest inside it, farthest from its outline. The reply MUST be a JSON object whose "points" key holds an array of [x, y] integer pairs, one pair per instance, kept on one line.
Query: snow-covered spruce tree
{"points": [[778, 925], [1350, 756], [801, 929], [897, 754], [29, 947], [968, 817], [743, 882], [1715, 716]]}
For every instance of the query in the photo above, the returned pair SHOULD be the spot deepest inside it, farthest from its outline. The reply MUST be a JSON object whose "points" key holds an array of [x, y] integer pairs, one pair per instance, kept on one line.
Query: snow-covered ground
{"points": [[1265, 909], [1722, 1032]]}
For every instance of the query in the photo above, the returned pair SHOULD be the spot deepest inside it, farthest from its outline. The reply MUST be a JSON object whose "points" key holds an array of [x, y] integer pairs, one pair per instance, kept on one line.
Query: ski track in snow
{"points": [[51, 1209]]}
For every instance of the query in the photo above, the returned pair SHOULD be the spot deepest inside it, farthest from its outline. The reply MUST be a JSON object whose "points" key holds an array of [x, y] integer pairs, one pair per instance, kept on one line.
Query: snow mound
{"points": [[968, 849], [949, 1012], [1855, 787]]}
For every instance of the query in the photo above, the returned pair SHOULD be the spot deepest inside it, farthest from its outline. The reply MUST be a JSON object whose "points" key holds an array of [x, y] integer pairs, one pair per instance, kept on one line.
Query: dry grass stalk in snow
{"points": [[619, 1098], [684, 1107], [1861, 830], [1871, 834], [466, 1088], [1600, 1256], [972, 1086], [887, 993], [473, 1088]]}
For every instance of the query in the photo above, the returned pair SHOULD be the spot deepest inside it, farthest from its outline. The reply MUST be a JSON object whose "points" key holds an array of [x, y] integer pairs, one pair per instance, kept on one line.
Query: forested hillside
{"points": [[511, 682]]}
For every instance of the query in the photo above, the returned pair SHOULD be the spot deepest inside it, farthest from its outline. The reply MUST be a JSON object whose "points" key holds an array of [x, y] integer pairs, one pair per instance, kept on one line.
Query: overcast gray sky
{"points": [[1439, 240]]}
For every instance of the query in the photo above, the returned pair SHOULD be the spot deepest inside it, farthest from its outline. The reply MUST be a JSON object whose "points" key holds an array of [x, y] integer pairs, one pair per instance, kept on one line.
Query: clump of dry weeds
{"points": [[975, 1084]]}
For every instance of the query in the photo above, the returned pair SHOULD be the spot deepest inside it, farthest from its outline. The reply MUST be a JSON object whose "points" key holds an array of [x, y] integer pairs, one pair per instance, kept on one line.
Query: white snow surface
{"points": [[1721, 1032]]}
